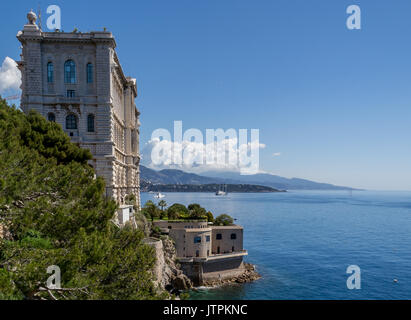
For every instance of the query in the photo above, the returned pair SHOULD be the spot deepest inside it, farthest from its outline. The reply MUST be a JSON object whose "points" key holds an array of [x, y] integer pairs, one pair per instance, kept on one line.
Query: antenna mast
{"points": [[39, 15]]}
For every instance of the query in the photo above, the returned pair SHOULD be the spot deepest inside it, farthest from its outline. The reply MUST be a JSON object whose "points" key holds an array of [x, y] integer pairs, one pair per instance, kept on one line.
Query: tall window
{"points": [[69, 71], [50, 72], [90, 123], [89, 73], [71, 122], [71, 93], [51, 117]]}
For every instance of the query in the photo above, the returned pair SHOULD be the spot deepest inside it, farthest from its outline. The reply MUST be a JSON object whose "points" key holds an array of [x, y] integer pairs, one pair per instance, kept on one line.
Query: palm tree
{"points": [[150, 210], [162, 204]]}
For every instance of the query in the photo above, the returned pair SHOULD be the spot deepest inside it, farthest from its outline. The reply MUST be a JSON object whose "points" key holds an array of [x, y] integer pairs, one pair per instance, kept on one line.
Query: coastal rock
{"points": [[250, 274], [181, 282]]}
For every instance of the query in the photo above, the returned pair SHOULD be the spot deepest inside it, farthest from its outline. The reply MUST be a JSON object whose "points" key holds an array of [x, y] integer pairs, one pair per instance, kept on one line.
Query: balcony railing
{"points": [[219, 256], [233, 254]]}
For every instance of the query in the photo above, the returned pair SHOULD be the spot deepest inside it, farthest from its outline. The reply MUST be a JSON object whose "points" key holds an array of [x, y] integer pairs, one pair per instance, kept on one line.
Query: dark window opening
{"points": [[89, 73], [50, 72], [71, 122], [51, 117], [219, 236], [233, 236], [69, 71], [71, 93], [90, 123]]}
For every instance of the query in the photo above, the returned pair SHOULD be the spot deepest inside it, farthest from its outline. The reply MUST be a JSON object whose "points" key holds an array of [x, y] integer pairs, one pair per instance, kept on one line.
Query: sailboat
{"points": [[159, 195], [222, 191]]}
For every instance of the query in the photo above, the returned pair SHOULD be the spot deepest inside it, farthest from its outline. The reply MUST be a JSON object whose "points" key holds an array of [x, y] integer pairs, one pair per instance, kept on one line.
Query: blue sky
{"points": [[335, 103]]}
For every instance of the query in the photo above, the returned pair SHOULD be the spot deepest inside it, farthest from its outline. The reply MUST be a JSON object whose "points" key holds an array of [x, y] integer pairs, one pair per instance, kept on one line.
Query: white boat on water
{"points": [[159, 195], [222, 191]]}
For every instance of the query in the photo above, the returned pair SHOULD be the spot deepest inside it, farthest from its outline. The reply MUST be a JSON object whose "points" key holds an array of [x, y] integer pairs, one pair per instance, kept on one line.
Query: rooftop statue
{"points": [[32, 17]]}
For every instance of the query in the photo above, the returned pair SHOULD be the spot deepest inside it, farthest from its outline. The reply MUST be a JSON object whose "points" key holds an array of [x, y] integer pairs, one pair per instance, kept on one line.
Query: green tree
{"points": [[223, 220], [155, 232], [130, 199], [176, 211], [151, 211], [55, 213], [196, 211], [173, 215], [162, 204], [210, 217]]}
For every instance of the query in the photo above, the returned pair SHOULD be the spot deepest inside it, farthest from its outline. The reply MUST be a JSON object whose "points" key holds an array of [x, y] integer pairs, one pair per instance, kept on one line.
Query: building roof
{"points": [[234, 226], [58, 36], [197, 230], [182, 221], [35, 33], [123, 206]]}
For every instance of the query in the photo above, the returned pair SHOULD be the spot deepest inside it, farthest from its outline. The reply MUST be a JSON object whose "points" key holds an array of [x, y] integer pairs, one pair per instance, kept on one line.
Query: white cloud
{"points": [[225, 155], [10, 76], [276, 154]]}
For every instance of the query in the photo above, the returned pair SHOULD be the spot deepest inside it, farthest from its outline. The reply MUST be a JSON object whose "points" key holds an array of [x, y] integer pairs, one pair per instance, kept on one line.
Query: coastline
{"points": [[250, 274]]}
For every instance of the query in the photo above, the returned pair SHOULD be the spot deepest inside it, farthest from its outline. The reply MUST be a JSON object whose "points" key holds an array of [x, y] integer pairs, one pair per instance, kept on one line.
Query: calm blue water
{"points": [[303, 241]]}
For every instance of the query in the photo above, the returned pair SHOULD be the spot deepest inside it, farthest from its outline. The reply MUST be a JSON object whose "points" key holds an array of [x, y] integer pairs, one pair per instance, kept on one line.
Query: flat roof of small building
{"points": [[234, 226], [197, 229], [123, 206], [182, 220]]}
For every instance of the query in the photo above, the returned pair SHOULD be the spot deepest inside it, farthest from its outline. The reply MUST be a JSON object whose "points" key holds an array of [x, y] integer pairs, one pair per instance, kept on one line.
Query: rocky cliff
{"points": [[167, 271]]}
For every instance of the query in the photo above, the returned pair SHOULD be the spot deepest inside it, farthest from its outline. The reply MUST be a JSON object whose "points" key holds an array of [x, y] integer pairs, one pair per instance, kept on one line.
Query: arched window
{"points": [[50, 72], [71, 122], [51, 117], [90, 123], [89, 73], [69, 71]]}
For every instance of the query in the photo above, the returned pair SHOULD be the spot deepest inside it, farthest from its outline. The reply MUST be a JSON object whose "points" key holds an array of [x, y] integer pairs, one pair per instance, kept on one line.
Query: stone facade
{"points": [[206, 252], [76, 80], [227, 239]]}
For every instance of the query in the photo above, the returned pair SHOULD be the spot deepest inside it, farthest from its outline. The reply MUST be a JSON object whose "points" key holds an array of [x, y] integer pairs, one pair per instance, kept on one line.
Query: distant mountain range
{"points": [[172, 176]]}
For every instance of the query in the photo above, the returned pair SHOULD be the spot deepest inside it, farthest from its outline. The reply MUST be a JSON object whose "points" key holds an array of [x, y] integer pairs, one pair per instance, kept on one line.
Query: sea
{"points": [[303, 242]]}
